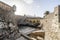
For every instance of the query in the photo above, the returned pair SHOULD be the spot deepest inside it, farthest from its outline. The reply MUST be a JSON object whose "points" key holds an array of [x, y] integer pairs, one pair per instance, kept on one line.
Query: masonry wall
{"points": [[7, 12], [51, 25]]}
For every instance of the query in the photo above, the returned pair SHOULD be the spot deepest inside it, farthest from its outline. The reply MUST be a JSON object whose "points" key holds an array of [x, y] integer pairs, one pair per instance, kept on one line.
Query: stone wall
{"points": [[7, 12], [51, 25]]}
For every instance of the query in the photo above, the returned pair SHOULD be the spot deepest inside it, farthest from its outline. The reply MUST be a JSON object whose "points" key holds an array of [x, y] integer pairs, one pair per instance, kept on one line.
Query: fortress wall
{"points": [[51, 25], [7, 12]]}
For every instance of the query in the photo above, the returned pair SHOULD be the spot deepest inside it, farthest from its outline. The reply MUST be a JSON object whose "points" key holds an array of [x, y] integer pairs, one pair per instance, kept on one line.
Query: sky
{"points": [[33, 7]]}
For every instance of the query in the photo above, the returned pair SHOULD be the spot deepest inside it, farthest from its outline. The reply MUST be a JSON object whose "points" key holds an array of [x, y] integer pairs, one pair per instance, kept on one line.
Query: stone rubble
{"points": [[8, 32]]}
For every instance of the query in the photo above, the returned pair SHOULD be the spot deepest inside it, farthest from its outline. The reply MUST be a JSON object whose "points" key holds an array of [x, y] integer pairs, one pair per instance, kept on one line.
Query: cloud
{"points": [[21, 6], [28, 1]]}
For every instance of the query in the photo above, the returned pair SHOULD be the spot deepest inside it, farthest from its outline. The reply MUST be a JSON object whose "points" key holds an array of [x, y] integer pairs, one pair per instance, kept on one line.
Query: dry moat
{"points": [[16, 27]]}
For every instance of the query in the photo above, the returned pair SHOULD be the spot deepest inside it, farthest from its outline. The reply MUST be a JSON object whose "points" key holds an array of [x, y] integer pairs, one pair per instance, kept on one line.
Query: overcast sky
{"points": [[33, 7]]}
